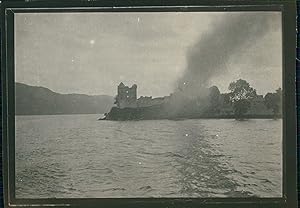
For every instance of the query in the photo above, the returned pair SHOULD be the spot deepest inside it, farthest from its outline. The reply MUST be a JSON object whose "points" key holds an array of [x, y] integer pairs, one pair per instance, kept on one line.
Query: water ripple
{"points": [[75, 156]]}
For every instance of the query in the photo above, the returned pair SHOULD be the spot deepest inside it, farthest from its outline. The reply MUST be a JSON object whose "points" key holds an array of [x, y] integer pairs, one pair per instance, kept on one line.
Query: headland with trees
{"points": [[241, 102]]}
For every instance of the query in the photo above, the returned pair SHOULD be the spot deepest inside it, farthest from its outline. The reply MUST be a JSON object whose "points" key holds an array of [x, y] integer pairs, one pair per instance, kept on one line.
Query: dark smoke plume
{"points": [[230, 36]]}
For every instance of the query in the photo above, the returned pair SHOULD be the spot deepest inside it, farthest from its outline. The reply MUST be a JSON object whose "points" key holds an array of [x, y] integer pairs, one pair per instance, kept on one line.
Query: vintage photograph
{"points": [[148, 104]]}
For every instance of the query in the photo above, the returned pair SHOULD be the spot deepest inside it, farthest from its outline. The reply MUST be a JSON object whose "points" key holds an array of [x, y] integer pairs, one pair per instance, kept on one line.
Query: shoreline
{"points": [[174, 118], [200, 118], [159, 113]]}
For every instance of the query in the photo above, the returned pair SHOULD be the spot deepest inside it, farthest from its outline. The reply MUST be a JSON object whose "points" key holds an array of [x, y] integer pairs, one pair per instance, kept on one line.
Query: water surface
{"points": [[70, 156]]}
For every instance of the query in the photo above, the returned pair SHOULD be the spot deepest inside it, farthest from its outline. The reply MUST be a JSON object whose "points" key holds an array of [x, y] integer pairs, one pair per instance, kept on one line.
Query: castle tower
{"points": [[127, 96]]}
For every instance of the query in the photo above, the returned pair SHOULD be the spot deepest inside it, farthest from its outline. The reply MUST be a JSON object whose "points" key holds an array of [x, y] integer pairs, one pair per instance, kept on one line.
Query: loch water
{"points": [[73, 156]]}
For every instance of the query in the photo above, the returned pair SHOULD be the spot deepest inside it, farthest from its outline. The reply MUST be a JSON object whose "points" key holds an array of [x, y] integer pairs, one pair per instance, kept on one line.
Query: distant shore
{"points": [[59, 114]]}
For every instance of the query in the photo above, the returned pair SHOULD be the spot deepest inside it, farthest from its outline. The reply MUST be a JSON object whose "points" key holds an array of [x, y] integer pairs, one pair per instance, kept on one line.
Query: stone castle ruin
{"points": [[212, 104], [127, 98]]}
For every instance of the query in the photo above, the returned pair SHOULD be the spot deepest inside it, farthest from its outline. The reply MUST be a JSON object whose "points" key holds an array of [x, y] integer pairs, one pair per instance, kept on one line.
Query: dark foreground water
{"points": [[78, 156]]}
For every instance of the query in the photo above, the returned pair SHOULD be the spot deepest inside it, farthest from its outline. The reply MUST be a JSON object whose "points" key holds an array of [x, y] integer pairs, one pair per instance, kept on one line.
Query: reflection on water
{"points": [[77, 156]]}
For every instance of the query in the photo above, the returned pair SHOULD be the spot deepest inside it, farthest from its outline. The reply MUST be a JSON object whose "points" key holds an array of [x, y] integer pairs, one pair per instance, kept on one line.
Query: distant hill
{"points": [[31, 100]]}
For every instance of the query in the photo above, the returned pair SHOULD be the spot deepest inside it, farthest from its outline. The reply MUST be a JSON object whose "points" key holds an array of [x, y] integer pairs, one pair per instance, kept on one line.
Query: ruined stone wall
{"points": [[127, 96], [149, 101]]}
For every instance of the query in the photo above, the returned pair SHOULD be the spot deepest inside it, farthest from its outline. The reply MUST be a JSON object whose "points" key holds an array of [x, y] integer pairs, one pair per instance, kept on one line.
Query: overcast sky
{"points": [[91, 53]]}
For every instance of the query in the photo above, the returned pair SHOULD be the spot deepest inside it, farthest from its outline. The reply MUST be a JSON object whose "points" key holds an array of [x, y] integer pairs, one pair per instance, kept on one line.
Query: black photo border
{"points": [[288, 10]]}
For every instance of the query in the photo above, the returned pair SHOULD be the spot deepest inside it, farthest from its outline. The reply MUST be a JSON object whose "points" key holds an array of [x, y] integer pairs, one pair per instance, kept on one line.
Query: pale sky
{"points": [[91, 53]]}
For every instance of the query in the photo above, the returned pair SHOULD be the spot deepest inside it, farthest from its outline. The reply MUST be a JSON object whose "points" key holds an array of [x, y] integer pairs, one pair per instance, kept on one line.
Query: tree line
{"points": [[241, 94]]}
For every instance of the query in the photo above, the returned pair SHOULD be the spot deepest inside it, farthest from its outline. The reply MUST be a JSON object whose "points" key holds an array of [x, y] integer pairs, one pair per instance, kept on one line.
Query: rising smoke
{"points": [[230, 36]]}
